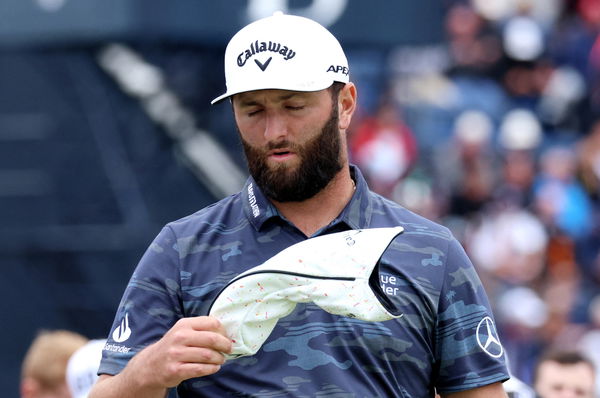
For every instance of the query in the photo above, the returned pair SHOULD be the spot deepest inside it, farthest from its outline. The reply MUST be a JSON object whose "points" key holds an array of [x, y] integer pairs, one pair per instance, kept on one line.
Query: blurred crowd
{"points": [[496, 134]]}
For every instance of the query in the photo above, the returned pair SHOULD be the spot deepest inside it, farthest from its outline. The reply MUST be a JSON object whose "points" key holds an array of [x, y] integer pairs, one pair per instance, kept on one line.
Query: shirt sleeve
{"points": [[150, 306], [468, 347]]}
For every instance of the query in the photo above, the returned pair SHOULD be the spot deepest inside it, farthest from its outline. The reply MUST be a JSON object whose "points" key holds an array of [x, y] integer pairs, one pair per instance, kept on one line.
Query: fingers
{"points": [[212, 340], [174, 372], [208, 332], [201, 355], [192, 370], [186, 362], [205, 323]]}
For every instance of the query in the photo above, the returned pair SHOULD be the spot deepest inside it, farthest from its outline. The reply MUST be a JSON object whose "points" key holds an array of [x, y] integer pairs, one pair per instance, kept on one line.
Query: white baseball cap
{"points": [[285, 52], [82, 368]]}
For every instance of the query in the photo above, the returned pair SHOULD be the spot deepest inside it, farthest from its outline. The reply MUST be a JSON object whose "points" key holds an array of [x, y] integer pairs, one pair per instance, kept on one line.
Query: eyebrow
{"points": [[290, 95]]}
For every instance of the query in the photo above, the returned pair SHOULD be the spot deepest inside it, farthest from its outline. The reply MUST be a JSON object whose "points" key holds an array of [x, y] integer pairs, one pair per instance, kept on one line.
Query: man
{"points": [[565, 374], [45, 363], [288, 82]]}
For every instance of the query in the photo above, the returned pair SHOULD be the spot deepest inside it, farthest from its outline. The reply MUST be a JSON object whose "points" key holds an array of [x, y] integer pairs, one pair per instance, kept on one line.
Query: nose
{"points": [[275, 126]]}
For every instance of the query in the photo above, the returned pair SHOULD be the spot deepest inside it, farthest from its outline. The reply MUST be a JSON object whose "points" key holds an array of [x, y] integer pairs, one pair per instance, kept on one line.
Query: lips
{"points": [[280, 153]]}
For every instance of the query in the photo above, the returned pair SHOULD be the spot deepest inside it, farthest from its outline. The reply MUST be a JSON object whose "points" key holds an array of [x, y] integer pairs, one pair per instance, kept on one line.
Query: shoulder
{"points": [[219, 215], [385, 211], [424, 253]]}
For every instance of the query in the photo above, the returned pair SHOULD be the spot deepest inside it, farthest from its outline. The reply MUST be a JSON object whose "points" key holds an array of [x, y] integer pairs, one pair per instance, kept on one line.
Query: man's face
{"points": [[291, 141], [555, 380]]}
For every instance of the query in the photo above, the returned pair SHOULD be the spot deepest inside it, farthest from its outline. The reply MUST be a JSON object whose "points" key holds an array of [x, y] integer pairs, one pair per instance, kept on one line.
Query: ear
{"points": [[346, 105]]}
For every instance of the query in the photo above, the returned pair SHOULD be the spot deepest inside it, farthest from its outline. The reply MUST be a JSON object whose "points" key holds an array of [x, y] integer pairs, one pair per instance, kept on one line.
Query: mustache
{"points": [[280, 144]]}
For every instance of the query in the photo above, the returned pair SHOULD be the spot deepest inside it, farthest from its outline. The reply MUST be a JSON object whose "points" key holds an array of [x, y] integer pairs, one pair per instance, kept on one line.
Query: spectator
{"points": [[588, 156], [590, 340], [385, 148], [518, 173], [466, 168], [565, 374], [82, 368], [44, 367], [560, 199]]}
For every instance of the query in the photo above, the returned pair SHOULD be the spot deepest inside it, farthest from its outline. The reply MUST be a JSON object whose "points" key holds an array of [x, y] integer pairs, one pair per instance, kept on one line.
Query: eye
{"points": [[295, 108], [253, 112]]}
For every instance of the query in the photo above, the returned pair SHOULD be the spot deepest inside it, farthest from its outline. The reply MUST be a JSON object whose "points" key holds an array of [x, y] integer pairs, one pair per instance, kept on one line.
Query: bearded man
{"points": [[287, 245]]}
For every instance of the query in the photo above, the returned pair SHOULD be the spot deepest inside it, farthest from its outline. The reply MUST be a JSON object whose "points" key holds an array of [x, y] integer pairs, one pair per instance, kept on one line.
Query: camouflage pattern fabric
{"points": [[446, 338]]}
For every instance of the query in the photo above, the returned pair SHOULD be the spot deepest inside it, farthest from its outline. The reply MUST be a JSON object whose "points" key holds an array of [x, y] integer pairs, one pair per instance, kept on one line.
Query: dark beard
{"points": [[319, 163]]}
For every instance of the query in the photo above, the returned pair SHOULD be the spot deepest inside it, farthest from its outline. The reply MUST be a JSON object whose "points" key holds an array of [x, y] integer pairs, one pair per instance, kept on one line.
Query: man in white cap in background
{"points": [[288, 82], [82, 368]]}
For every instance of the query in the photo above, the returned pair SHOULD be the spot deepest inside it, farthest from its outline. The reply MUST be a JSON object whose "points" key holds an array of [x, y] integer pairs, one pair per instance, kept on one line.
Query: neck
{"points": [[315, 213]]}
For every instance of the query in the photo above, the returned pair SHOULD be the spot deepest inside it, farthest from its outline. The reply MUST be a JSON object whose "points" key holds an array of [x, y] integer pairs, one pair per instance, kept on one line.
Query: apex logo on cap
{"points": [[338, 69], [259, 47]]}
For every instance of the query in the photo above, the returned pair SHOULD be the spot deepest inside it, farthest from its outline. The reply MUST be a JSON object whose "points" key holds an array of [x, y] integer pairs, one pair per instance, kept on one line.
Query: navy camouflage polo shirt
{"points": [[446, 339]]}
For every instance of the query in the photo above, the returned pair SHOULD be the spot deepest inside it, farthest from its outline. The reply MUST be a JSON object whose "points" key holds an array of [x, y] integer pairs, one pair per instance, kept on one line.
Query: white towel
{"points": [[333, 271]]}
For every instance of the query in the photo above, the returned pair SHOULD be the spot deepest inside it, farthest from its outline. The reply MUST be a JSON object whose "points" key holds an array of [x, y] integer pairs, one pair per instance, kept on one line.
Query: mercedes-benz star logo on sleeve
{"points": [[487, 338]]}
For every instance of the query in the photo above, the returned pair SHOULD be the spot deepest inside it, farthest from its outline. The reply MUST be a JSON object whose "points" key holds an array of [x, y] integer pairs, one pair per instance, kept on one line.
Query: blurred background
{"points": [[483, 115]]}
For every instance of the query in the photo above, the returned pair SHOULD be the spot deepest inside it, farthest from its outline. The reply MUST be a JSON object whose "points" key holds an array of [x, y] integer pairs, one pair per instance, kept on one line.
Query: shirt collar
{"points": [[357, 213], [257, 207]]}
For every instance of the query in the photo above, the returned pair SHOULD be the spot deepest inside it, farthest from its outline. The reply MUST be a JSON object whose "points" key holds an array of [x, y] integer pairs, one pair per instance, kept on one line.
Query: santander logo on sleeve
{"points": [[123, 331]]}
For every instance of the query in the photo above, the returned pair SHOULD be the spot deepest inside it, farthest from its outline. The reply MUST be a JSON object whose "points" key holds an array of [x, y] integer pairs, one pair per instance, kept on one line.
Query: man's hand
{"points": [[193, 347]]}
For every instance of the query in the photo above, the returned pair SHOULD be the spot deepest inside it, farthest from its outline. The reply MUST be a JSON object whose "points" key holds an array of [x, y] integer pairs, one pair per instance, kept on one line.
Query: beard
{"points": [[319, 162]]}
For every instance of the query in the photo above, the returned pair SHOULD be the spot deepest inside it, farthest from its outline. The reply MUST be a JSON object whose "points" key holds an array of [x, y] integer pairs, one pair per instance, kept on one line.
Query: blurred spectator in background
{"points": [[588, 156], [82, 368], [520, 131], [472, 44], [560, 199], [43, 373], [511, 244], [574, 43], [465, 167], [565, 374], [518, 170], [590, 340], [384, 148]]}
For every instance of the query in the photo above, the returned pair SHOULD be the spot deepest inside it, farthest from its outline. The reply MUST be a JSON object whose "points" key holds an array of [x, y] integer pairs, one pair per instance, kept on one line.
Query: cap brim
{"points": [[285, 86], [221, 98]]}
